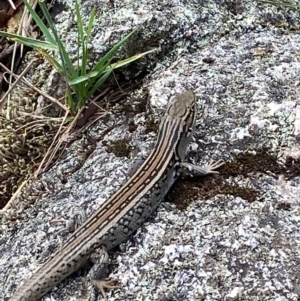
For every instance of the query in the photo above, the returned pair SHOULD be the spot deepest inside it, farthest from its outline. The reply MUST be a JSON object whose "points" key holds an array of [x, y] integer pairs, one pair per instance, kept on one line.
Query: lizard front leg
{"points": [[192, 170]]}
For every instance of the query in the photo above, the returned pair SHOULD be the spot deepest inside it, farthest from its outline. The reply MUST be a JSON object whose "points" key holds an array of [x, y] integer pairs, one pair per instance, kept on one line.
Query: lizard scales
{"points": [[126, 210]]}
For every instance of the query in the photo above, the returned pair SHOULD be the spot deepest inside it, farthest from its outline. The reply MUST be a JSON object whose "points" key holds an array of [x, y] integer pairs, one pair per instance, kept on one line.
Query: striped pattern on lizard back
{"points": [[126, 210]]}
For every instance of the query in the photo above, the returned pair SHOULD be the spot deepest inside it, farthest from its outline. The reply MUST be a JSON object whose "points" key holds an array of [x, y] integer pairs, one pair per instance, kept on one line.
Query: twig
{"points": [[15, 195], [3, 99], [51, 146], [12, 4], [26, 82]]}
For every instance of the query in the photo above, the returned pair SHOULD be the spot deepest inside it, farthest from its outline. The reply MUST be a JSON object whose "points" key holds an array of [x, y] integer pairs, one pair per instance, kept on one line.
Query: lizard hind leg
{"points": [[101, 260]]}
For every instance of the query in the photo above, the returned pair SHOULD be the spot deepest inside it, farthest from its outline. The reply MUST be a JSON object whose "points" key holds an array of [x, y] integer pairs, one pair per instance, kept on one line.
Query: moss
{"points": [[120, 148], [21, 149], [151, 125]]}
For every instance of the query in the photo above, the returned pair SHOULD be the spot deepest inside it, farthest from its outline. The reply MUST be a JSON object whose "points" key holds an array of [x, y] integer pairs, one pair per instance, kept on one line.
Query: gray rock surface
{"points": [[234, 236]]}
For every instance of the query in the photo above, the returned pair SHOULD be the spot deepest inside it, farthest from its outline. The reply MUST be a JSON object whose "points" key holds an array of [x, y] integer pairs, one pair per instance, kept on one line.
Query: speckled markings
{"points": [[125, 211]]}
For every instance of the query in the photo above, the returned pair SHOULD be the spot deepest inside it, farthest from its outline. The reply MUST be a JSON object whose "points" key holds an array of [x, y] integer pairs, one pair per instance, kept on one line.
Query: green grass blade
{"points": [[79, 22], [113, 66], [108, 56], [87, 39], [40, 23], [71, 71], [99, 83], [84, 57], [80, 38], [84, 78], [46, 14], [68, 69], [128, 60], [80, 96], [91, 23], [105, 61], [69, 100], [29, 41], [51, 59]]}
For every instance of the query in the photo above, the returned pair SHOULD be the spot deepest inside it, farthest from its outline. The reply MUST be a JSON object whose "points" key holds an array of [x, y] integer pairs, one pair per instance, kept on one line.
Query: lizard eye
{"points": [[189, 132]]}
